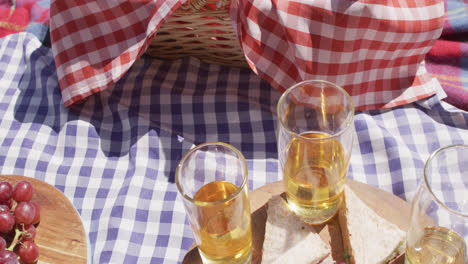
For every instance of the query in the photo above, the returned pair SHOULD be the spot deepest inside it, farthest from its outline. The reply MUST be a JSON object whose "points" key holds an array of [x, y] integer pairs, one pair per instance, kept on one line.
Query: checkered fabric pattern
{"points": [[115, 155], [95, 42], [374, 49]]}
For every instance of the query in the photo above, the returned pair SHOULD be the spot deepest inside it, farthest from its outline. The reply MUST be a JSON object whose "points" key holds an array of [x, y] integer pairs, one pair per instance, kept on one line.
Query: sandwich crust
{"points": [[289, 240], [367, 237]]}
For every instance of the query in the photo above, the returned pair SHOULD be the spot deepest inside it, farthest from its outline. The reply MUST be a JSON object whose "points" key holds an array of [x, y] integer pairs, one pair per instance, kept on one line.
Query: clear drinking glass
{"points": [[438, 229], [315, 139], [213, 181]]}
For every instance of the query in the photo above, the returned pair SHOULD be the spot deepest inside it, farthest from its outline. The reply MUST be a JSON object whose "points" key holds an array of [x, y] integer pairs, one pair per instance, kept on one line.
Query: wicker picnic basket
{"points": [[199, 28]]}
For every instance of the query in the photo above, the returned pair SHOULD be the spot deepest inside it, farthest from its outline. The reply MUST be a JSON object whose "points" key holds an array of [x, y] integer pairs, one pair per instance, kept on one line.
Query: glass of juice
{"points": [[315, 139], [213, 180], [438, 229]]}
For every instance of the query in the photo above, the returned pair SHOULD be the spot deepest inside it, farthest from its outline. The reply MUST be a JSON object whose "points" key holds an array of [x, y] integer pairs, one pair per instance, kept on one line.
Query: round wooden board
{"points": [[60, 234], [383, 203]]}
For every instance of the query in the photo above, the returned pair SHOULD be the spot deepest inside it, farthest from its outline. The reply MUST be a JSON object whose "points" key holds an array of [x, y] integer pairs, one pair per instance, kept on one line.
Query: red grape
{"points": [[28, 252], [7, 221], [24, 213], [37, 215], [8, 257], [27, 214], [6, 190], [2, 244], [23, 191], [29, 233]]}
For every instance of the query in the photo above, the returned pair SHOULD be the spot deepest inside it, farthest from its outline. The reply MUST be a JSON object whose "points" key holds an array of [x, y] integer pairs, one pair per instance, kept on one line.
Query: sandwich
{"points": [[289, 240], [367, 237]]}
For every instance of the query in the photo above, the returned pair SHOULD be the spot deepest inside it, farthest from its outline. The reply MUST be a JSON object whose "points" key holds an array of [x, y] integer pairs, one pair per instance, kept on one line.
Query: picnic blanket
{"points": [[114, 156], [446, 61]]}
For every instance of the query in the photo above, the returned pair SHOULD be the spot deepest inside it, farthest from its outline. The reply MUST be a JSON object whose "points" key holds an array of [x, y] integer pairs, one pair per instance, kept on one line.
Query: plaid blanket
{"points": [[115, 155], [24, 15], [448, 59]]}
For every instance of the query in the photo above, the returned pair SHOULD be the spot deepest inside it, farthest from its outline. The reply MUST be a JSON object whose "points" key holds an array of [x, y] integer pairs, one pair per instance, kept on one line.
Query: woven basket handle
{"points": [[195, 5]]}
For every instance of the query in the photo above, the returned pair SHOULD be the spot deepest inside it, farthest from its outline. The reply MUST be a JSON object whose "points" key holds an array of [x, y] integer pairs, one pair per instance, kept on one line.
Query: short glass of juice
{"points": [[213, 180], [315, 139]]}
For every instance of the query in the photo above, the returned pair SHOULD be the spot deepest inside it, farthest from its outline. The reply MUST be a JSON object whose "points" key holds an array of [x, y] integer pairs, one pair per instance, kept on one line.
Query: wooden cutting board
{"points": [[60, 234], [383, 203]]}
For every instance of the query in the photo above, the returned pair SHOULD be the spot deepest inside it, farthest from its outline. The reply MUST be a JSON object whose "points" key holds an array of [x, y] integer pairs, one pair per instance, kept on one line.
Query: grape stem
{"points": [[15, 240]]}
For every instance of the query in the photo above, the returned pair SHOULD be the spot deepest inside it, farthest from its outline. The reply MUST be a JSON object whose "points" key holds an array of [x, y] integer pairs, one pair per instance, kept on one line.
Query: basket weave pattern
{"points": [[199, 28]]}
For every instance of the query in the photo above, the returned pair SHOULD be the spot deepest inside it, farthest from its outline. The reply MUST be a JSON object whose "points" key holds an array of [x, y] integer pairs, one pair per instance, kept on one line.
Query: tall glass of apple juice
{"points": [[438, 231], [315, 138], [213, 181]]}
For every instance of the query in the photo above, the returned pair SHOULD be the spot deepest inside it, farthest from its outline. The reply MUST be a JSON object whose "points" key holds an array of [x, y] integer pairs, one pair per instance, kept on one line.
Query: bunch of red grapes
{"points": [[19, 217]]}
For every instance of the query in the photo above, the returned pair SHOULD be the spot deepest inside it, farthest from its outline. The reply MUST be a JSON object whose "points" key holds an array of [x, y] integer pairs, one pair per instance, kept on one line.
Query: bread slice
{"points": [[368, 238], [288, 239]]}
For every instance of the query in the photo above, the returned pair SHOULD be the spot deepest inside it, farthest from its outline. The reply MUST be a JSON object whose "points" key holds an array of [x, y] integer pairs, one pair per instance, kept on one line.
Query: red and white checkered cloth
{"points": [[95, 42], [374, 49]]}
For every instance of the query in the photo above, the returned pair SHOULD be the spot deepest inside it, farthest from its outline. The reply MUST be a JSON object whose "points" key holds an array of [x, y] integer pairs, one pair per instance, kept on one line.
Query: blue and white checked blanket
{"points": [[115, 155]]}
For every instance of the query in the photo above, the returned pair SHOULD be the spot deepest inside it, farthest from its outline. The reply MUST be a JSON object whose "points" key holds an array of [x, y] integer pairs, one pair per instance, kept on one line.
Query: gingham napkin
{"points": [[95, 42], [373, 48]]}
